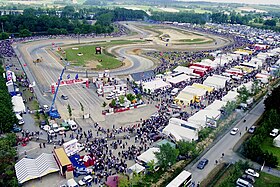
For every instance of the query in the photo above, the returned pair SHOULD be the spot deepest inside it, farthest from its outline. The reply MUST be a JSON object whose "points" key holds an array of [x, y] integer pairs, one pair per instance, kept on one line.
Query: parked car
{"points": [[242, 182], [202, 163], [248, 178], [16, 129], [234, 131], [64, 97], [252, 129], [85, 180], [252, 172]]}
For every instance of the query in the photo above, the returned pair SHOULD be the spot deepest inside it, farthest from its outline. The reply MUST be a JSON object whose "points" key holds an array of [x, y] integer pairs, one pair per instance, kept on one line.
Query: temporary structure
{"points": [[28, 169], [203, 116], [276, 141], [198, 93], [178, 133], [216, 82], [231, 96], [155, 85], [182, 69], [137, 168], [19, 106], [202, 86], [184, 98], [183, 123], [216, 105], [178, 79], [148, 155]]}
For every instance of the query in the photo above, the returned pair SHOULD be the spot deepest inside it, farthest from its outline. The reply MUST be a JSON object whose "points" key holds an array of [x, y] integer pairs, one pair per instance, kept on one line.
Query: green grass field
{"points": [[104, 60], [267, 180], [267, 145]]}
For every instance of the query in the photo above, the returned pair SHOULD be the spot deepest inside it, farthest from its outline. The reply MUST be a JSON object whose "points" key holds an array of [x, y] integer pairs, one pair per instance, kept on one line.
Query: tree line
{"points": [[7, 115], [271, 119]]}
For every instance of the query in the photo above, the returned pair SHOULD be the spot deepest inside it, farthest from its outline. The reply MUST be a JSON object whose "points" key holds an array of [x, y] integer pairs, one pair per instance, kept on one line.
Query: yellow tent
{"points": [[202, 86]]}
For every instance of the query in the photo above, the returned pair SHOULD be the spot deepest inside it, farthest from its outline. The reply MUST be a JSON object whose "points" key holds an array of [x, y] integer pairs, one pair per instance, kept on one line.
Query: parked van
{"points": [[243, 183], [72, 183], [20, 119], [73, 125]]}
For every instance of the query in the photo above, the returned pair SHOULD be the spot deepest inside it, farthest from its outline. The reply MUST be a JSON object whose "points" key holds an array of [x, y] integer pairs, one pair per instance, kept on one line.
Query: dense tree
{"points": [[167, 155], [272, 101], [270, 22], [24, 33], [4, 35], [7, 116], [186, 148], [7, 157]]}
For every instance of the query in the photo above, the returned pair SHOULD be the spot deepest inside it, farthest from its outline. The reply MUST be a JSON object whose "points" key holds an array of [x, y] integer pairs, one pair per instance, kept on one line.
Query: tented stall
{"points": [[148, 156], [231, 96], [209, 89], [19, 106], [184, 98], [28, 168], [183, 123], [179, 79], [216, 82], [155, 85], [182, 69], [216, 105], [137, 168], [177, 133], [202, 117], [198, 93]]}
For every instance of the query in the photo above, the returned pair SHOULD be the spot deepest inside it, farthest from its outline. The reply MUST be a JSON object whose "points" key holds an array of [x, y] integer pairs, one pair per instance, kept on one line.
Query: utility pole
{"points": [[79, 37]]}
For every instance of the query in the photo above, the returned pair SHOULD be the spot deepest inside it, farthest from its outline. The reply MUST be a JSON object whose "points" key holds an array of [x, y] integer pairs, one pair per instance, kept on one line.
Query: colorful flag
{"points": [[77, 76], [68, 76]]}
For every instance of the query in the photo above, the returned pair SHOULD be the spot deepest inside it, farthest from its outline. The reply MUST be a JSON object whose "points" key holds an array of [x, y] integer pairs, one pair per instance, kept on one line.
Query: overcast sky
{"points": [[275, 2]]}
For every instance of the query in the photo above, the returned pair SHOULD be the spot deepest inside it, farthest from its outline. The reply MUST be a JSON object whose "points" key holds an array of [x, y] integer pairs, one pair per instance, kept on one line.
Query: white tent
{"points": [[183, 123], [178, 79], [231, 96], [178, 133], [19, 106], [216, 105], [28, 169], [276, 141], [201, 117], [191, 90], [137, 168], [182, 69], [216, 82], [148, 155], [155, 85]]}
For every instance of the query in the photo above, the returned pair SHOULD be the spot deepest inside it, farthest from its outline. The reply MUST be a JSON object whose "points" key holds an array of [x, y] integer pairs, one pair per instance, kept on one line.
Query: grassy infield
{"points": [[109, 61]]}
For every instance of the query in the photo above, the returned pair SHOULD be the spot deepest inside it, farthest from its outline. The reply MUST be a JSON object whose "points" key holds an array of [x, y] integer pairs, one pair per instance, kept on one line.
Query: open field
{"points": [[267, 180], [89, 59], [177, 36], [267, 145]]}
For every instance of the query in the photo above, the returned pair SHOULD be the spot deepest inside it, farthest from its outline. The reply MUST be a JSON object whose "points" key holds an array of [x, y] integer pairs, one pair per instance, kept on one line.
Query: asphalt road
{"points": [[226, 144]]}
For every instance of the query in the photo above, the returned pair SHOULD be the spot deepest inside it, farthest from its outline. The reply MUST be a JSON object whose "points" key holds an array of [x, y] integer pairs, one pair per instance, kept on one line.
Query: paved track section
{"points": [[226, 144], [47, 72]]}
